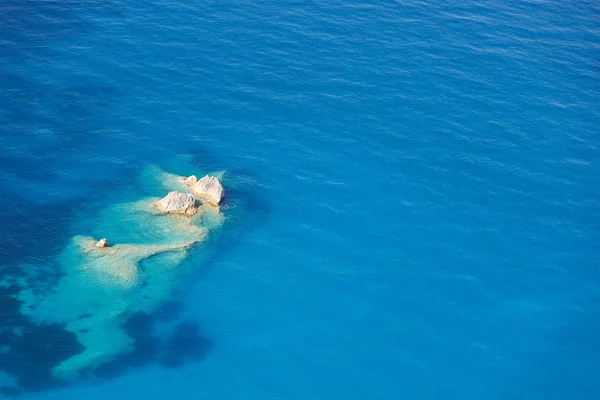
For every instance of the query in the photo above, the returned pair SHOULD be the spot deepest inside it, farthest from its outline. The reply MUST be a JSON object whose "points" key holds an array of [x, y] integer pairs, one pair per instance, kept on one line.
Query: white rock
{"points": [[102, 243], [177, 203], [210, 187]]}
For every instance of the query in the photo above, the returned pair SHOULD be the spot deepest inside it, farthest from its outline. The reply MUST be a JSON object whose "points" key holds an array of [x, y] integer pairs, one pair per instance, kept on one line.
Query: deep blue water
{"points": [[419, 183]]}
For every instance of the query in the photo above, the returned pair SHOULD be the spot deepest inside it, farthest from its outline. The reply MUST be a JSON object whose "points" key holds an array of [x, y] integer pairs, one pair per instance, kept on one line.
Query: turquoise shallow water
{"points": [[413, 191]]}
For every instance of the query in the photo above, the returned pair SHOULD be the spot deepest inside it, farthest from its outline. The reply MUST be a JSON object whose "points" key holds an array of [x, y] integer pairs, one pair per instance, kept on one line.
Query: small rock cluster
{"points": [[208, 187]]}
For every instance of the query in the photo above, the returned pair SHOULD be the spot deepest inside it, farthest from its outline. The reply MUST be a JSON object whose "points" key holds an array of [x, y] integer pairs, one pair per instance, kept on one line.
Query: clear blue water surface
{"points": [[421, 181]]}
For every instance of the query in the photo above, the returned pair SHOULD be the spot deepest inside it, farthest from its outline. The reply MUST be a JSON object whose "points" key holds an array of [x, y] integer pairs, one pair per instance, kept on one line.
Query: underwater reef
{"points": [[127, 268]]}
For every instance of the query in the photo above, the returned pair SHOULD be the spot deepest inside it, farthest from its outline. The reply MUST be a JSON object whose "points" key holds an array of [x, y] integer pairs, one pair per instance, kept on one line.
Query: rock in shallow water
{"points": [[191, 180], [210, 187], [102, 243], [178, 203], [102, 287]]}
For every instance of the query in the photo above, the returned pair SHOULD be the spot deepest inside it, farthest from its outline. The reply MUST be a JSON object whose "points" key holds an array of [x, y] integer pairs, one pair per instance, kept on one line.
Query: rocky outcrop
{"points": [[209, 187], [102, 284], [101, 243], [177, 203], [191, 180]]}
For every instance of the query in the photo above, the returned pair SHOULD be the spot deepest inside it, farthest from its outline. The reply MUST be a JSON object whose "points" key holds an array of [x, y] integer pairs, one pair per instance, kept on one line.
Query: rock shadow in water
{"points": [[186, 343], [29, 352], [145, 348], [10, 391], [168, 311]]}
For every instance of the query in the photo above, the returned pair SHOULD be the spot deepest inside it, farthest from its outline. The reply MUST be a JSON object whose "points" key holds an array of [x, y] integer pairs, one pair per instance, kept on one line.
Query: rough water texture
{"points": [[412, 194]]}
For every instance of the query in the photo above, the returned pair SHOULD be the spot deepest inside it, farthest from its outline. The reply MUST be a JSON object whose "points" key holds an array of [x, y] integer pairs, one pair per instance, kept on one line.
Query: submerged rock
{"points": [[177, 203], [102, 285], [102, 243], [209, 187]]}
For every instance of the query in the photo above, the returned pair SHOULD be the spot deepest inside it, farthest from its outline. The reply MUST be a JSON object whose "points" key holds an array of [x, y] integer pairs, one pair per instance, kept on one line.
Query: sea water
{"points": [[411, 201]]}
